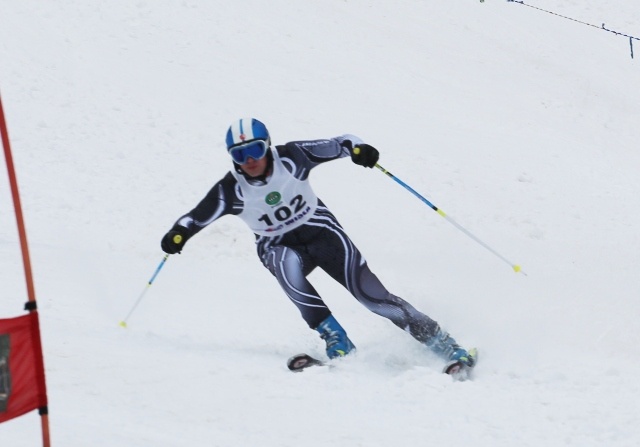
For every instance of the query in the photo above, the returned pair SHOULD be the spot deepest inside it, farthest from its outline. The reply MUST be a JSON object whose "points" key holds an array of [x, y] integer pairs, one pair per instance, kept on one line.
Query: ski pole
{"points": [[516, 268], [123, 323]]}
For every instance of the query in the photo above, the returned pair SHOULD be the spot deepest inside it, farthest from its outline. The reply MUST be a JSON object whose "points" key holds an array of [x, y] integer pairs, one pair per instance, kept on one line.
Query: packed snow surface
{"points": [[521, 125]]}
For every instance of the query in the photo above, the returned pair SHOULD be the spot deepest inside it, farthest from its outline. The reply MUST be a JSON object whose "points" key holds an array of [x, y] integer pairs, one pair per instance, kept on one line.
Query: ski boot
{"points": [[338, 344], [446, 347]]}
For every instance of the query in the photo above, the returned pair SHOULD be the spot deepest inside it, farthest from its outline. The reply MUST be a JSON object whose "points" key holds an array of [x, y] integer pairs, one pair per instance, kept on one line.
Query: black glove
{"points": [[365, 155], [173, 241]]}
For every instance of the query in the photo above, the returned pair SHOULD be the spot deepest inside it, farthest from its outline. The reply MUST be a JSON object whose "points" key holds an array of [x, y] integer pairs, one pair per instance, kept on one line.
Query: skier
{"points": [[295, 232]]}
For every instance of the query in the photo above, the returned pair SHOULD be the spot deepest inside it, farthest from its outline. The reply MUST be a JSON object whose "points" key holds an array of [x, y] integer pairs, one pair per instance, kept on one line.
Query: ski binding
{"points": [[300, 362], [460, 371]]}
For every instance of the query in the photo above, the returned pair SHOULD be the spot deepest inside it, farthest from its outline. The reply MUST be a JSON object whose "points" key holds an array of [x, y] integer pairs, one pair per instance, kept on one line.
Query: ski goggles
{"points": [[255, 149]]}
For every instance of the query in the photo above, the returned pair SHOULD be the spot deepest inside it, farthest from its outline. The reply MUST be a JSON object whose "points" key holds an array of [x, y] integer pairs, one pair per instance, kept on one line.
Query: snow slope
{"points": [[520, 125]]}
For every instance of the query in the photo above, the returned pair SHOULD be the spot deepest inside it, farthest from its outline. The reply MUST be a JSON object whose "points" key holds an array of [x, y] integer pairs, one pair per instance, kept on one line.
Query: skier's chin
{"points": [[255, 172]]}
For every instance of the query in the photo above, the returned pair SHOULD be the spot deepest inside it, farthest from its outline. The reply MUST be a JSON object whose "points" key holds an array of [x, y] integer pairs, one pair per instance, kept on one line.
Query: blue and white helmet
{"points": [[245, 130]]}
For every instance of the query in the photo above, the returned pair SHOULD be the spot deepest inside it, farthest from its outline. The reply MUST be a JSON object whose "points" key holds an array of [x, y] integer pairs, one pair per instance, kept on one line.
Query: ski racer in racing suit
{"points": [[295, 232]]}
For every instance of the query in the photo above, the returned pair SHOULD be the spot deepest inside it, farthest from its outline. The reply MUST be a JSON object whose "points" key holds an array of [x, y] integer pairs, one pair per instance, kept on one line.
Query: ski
{"points": [[300, 362], [460, 371]]}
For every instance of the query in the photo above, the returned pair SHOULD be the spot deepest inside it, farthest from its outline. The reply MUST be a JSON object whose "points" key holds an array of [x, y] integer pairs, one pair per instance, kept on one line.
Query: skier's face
{"points": [[254, 168]]}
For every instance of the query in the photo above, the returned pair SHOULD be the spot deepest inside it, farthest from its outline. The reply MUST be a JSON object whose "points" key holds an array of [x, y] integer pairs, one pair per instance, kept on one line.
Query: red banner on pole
{"points": [[22, 382]]}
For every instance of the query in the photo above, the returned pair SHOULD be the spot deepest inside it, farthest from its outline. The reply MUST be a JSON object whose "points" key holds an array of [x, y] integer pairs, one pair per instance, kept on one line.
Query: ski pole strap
{"points": [[516, 268]]}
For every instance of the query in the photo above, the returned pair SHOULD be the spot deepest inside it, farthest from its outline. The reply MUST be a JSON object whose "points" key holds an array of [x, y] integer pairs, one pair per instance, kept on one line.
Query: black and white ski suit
{"points": [[296, 232]]}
